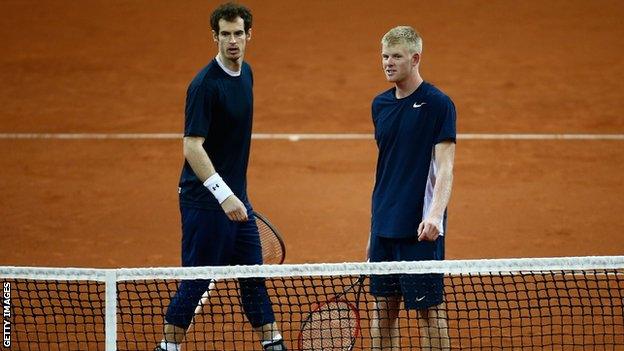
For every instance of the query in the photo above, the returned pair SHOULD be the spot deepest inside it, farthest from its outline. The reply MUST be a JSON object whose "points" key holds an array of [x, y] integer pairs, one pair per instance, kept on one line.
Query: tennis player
{"points": [[415, 134], [218, 226]]}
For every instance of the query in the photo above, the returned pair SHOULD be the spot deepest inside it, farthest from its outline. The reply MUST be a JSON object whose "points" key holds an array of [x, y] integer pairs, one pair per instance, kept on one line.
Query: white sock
{"points": [[276, 337], [169, 346]]}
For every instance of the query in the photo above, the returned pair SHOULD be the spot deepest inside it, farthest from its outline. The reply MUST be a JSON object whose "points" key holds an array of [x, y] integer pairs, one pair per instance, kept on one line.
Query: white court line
{"points": [[85, 136], [308, 136], [485, 136]]}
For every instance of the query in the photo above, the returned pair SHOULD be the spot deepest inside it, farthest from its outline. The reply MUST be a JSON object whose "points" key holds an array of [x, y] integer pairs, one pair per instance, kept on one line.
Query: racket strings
{"points": [[272, 247], [332, 326]]}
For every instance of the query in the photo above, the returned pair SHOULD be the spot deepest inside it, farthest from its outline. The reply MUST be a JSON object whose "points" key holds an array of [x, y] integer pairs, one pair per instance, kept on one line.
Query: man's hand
{"points": [[234, 209], [428, 230]]}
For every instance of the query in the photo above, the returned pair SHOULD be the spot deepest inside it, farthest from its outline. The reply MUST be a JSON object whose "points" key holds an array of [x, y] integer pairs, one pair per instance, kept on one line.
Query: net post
{"points": [[110, 314]]}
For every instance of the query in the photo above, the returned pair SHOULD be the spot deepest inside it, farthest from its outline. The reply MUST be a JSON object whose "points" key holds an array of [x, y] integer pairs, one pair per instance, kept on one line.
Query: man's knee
{"points": [[390, 303], [387, 310]]}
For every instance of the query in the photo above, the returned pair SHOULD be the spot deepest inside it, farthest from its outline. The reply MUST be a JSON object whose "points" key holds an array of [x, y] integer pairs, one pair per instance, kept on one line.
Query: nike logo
{"points": [[420, 299], [417, 105]]}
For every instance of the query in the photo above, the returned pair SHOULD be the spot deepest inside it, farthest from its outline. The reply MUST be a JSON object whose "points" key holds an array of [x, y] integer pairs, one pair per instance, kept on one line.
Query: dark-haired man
{"points": [[218, 226]]}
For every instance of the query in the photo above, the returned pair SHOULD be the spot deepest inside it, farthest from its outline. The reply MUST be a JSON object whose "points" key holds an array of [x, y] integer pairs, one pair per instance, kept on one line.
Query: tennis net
{"points": [[572, 303]]}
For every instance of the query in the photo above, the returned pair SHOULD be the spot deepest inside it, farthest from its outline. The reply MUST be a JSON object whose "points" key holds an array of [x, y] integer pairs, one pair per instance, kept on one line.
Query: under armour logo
{"points": [[214, 187]]}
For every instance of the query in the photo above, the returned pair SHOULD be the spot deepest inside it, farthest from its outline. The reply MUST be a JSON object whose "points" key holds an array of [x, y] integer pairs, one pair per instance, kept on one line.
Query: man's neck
{"points": [[407, 86], [233, 66]]}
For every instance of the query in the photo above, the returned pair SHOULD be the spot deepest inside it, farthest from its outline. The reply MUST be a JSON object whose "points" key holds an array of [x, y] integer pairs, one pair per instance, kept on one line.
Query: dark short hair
{"points": [[229, 12]]}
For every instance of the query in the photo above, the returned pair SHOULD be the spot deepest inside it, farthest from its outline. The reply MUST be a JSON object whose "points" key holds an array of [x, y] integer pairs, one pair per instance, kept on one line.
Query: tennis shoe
{"points": [[277, 345]]}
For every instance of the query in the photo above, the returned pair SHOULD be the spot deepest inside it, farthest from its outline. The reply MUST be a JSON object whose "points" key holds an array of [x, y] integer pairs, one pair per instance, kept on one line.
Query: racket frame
{"points": [[359, 283], [276, 233]]}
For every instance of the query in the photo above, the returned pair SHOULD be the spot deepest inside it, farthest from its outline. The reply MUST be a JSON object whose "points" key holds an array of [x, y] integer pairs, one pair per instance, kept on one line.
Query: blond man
{"points": [[415, 131]]}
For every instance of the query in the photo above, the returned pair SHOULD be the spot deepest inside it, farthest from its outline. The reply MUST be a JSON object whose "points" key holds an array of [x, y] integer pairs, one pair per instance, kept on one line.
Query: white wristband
{"points": [[218, 188]]}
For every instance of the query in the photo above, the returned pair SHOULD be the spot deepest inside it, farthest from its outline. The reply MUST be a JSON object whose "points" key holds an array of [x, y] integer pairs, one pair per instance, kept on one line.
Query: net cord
{"points": [[499, 266]]}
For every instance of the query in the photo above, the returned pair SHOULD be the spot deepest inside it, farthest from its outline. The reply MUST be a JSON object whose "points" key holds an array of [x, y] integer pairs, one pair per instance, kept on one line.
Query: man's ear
{"points": [[248, 34], [415, 59], [215, 36]]}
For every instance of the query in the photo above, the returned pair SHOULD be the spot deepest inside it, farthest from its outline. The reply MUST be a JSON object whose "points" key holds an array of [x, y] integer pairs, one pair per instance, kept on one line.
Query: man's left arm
{"points": [[444, 159]]}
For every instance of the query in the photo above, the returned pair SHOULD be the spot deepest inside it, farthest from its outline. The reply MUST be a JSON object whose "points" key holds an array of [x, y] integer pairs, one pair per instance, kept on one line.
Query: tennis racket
{"points": [[273, 251], [335, 324], [273, 248]]}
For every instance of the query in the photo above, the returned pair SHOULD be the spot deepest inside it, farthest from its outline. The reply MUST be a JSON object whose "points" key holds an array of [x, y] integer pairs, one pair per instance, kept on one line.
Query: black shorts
{"points": [[210, 238], [419, 291]]}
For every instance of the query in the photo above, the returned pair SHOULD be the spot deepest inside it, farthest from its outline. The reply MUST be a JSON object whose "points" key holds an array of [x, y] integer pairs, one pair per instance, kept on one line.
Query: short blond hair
{"points": [[404, 35]]}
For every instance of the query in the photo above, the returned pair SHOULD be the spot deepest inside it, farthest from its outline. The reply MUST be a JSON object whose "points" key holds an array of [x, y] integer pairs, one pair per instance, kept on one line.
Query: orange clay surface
{"points": [[123, 67]]}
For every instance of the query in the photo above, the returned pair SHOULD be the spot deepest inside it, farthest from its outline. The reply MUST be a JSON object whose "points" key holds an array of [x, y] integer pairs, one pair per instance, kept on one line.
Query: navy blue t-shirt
{"points": [[406, 132], [219, 107]]}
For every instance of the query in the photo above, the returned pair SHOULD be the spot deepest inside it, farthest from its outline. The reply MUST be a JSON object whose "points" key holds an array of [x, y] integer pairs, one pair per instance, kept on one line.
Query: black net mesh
{"points": [[555, 309], [530, 311], [54, 315]]}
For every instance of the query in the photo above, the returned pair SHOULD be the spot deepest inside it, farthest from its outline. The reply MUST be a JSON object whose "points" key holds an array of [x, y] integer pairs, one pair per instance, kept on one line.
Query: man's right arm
{"points": [[199, 161], [198, 158]]}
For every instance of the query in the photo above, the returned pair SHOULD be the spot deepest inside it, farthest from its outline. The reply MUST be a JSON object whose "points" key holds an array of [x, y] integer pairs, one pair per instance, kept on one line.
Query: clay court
{"points": [[101, 69]]}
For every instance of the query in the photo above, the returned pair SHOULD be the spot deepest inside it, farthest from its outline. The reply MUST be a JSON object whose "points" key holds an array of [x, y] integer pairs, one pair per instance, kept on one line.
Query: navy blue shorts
{"points": [[419, 291], [209, 238]]}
